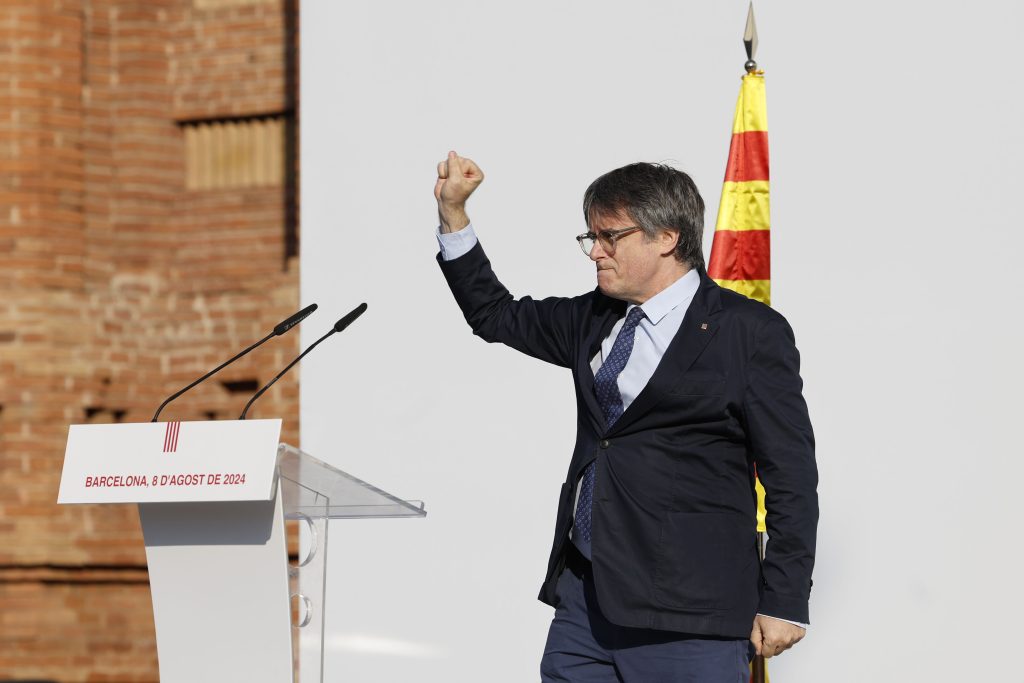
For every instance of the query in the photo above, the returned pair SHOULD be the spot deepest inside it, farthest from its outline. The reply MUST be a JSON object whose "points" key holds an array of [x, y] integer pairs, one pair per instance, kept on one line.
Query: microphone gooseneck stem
{"points": [[208, 375], [280, 374]]}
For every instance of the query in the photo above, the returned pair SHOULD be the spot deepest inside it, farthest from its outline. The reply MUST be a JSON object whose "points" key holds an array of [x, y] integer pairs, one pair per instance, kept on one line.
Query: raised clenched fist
{"points": [[457, 178]]}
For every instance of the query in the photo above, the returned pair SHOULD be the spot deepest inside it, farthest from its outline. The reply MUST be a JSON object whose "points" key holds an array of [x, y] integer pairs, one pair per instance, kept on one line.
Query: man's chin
{"points": [[605, 289]]}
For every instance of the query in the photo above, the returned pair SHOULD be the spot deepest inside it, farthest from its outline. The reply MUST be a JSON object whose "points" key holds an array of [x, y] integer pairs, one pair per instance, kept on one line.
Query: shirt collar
{"points": [[678, 293]]}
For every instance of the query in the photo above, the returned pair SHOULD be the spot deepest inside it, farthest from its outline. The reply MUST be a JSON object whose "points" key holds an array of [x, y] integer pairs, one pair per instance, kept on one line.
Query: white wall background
{"points": [[896, 143]]}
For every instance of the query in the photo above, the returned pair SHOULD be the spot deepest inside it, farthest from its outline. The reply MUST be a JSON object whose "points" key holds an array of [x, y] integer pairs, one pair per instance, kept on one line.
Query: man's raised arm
{"points": [[544, 329]]}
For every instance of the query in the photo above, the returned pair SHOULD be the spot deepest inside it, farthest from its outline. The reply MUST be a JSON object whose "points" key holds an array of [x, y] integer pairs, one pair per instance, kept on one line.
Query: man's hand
{"points": [[772, 636], [457, 178]]}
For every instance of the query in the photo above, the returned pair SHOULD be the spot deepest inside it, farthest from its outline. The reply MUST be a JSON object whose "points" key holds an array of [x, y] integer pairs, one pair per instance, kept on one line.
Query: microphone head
{"points": [[294, 320], [350, 317]]}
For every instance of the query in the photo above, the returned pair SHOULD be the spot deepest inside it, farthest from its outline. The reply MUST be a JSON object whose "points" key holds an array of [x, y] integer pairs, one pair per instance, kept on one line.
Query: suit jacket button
{"points": [[605, 443]]}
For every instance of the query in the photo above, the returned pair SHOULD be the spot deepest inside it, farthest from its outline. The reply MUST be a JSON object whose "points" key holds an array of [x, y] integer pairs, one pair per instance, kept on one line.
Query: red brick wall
{"points": [[95, 626], [233, 59], [119, 286]]}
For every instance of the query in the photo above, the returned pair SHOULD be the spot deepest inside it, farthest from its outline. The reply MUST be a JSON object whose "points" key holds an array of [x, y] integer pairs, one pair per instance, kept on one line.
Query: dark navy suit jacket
{"points": [[674, 543]]}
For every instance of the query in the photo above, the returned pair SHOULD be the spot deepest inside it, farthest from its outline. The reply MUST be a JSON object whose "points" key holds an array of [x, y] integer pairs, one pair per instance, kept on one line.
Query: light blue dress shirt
{"points": [[664, 314]]}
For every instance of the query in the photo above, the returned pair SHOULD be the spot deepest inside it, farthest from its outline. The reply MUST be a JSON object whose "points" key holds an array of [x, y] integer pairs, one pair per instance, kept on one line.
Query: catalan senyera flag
{"points": [[740, 253], [741, 250]]}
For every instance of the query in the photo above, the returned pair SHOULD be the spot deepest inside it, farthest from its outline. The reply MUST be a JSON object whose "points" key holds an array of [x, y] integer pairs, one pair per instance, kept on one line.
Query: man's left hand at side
{"points": [[772, 636]]}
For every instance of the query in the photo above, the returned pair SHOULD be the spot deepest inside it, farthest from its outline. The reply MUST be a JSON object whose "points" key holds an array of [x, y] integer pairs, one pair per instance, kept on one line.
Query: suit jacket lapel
{"points": [[698, 327], [606, 316]]}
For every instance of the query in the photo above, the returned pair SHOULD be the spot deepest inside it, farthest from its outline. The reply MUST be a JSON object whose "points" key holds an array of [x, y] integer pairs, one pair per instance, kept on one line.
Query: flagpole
{"points": [[740, 258], [750, 40], [758, 669]]}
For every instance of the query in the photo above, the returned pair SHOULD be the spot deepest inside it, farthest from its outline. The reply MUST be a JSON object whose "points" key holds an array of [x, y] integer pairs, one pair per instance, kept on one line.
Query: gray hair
{"points": [[655, 197]]}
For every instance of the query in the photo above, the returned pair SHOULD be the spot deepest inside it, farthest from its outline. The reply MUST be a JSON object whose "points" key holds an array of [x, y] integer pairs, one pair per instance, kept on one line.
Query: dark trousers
{"points": [[584, 647]]}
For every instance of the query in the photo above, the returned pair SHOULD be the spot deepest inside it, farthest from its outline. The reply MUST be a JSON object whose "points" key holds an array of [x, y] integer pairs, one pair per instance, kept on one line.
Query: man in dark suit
{"points": [[681, 387]]}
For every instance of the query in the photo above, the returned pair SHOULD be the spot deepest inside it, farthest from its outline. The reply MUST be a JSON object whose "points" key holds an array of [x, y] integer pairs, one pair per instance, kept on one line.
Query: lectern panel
{"points": [[218, 579]]}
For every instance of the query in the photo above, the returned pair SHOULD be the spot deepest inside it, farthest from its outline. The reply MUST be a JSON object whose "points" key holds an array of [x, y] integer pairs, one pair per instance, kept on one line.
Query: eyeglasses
{"points": [[607, 238]]}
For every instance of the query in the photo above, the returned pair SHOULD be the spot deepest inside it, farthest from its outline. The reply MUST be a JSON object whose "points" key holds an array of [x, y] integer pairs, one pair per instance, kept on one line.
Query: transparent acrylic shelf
{"points": [[313, 493], [316, 489]]}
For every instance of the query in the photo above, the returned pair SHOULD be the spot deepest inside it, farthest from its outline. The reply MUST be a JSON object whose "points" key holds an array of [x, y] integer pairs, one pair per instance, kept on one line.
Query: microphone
{"points": [[279, 329], [344, 322]]}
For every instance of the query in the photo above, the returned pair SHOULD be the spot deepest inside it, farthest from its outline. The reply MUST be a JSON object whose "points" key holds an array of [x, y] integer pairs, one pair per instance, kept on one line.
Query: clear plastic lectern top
{"points": [[312, 492], [315, 489]]}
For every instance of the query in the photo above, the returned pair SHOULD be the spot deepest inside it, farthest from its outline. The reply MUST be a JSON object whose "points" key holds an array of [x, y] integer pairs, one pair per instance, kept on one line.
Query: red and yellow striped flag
{"points": [[741, 251], [741, 254]]}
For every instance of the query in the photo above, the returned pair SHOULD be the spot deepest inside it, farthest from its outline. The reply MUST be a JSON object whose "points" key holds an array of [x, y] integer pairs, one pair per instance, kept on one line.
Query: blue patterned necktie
{"points": [[606, 386]]}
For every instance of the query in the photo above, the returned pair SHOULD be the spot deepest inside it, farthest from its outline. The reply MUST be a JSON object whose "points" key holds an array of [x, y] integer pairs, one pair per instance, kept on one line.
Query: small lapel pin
{"points": [[703, 326]]}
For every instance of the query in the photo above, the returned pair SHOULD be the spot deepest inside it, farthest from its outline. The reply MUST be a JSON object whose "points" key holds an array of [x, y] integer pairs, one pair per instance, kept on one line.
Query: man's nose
{"points": [[597, 251]]}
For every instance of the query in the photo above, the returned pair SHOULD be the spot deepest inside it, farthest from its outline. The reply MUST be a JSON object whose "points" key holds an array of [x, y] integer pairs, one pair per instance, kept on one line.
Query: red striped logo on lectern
{"points": [[171, 437]]}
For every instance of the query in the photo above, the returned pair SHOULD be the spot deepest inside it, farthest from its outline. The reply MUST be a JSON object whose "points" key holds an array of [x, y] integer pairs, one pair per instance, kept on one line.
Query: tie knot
{"points": [[634, 317]]}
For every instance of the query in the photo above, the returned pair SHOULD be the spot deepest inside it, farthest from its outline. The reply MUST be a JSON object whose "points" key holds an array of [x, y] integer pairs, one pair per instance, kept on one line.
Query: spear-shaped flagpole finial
{"points": [[750, 40]]}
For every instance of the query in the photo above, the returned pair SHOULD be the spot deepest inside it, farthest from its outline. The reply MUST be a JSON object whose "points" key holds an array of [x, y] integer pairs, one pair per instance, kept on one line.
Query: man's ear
{"points": [[667, 241]]}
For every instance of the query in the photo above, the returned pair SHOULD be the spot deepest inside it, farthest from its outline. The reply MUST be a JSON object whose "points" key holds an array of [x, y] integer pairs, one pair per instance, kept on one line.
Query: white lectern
{"points": [[213, 498]]}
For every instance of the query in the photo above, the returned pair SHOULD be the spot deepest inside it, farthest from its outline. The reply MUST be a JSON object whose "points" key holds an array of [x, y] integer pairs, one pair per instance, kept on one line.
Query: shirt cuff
{"points": [[795, 623], [456, 244]]}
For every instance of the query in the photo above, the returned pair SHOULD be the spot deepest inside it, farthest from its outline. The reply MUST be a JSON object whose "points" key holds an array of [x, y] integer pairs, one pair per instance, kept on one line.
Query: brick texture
{"points": [[119, 286], [78, 632]]}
